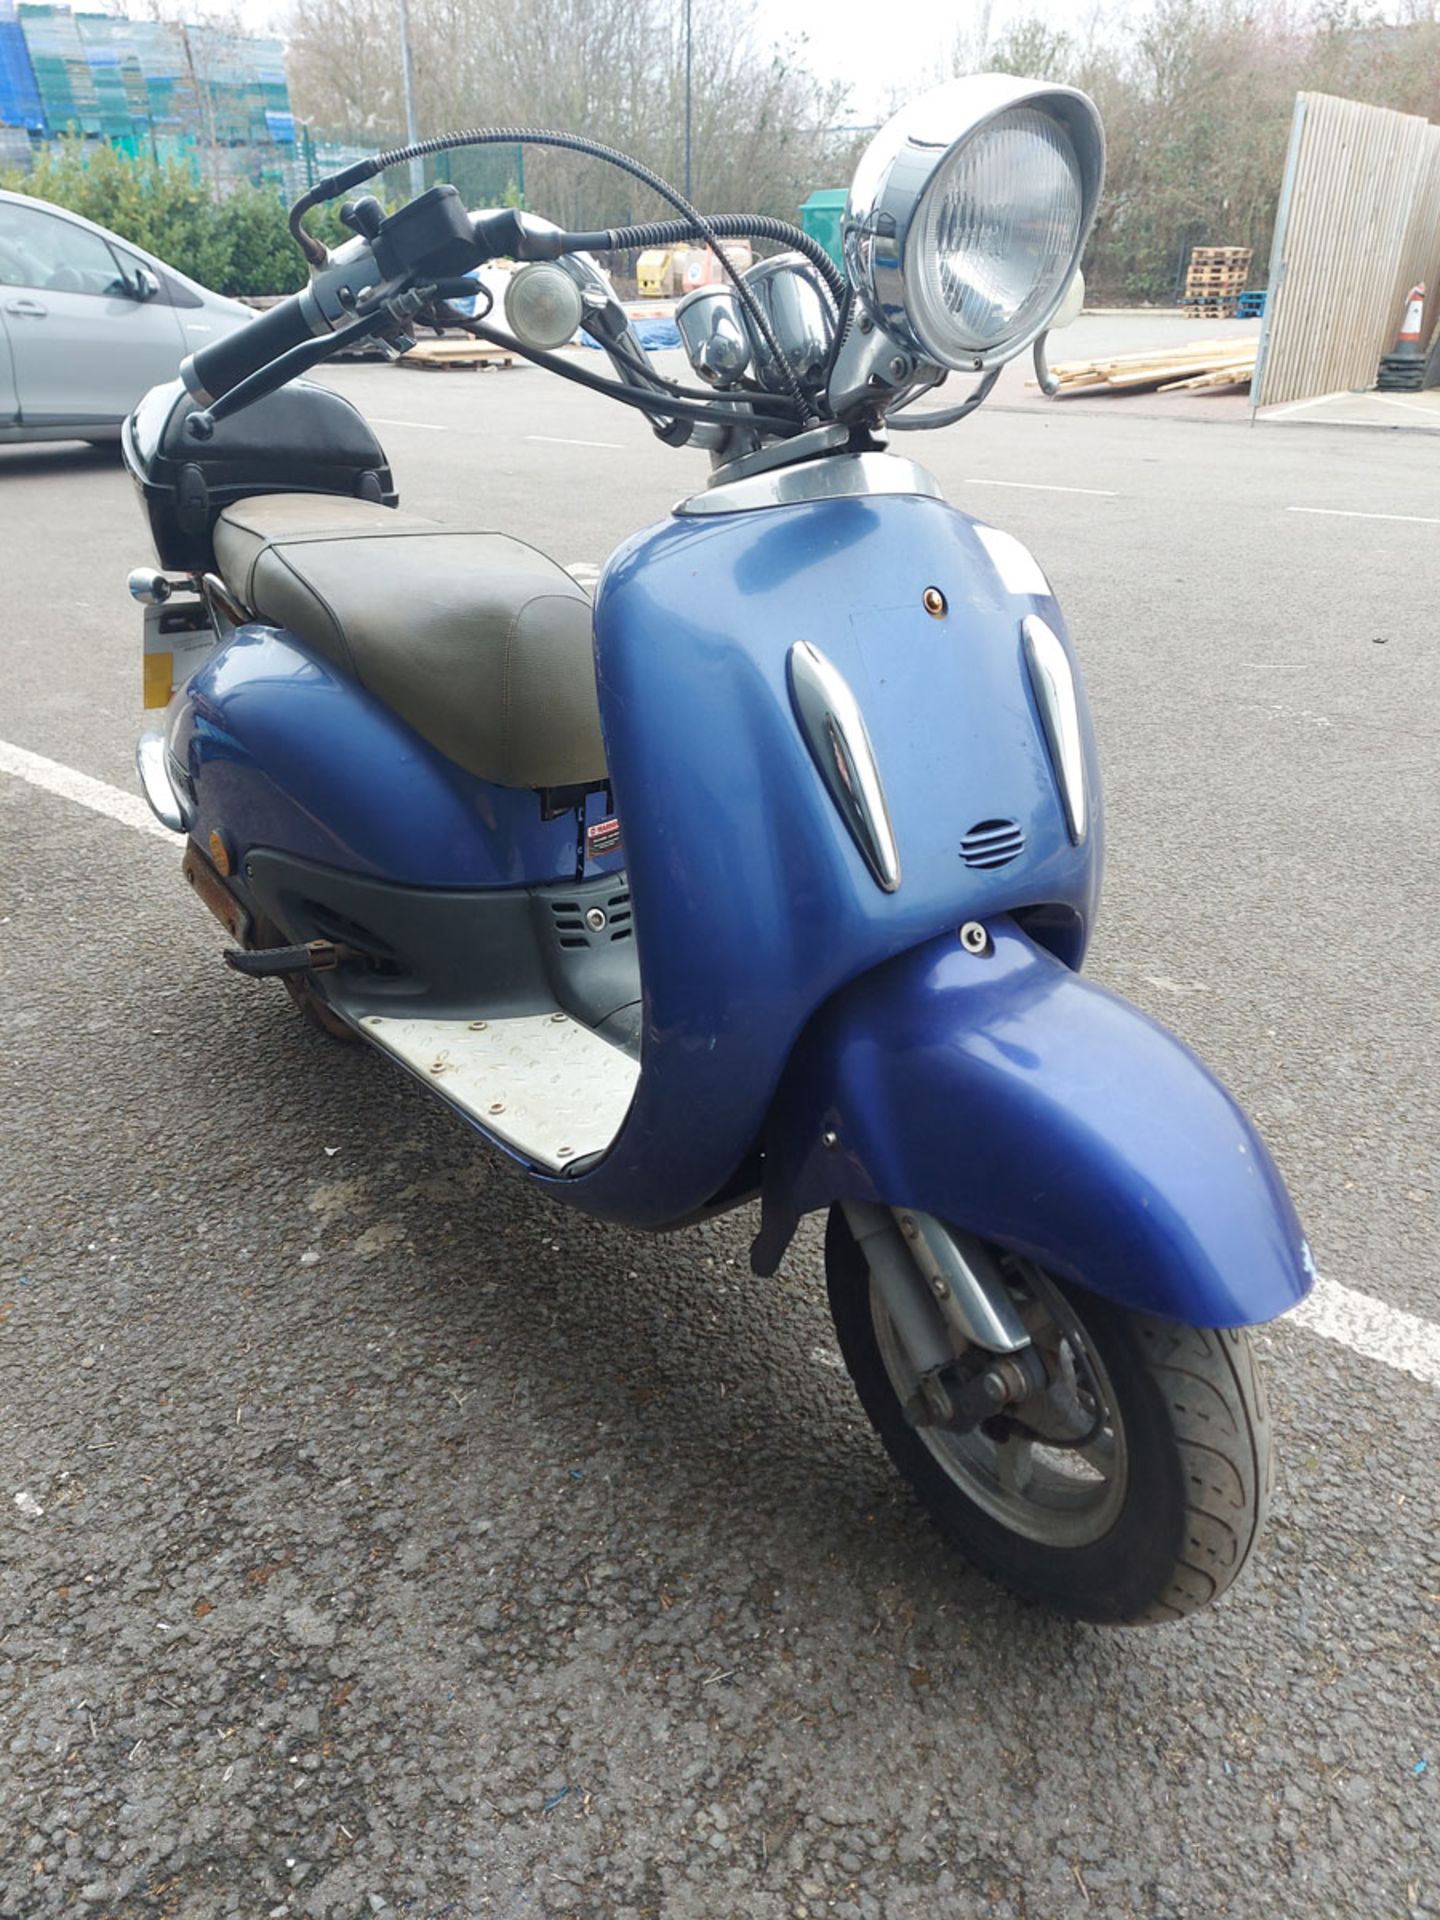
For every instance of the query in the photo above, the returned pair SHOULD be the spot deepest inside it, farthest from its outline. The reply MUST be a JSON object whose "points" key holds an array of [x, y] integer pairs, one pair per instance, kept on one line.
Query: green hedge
{"points": [[238, 245]]}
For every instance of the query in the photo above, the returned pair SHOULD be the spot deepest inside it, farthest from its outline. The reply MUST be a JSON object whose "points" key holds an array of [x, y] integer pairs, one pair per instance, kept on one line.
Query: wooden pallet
{"points": [[457, 356], [1217, 276], [1202, 363]]}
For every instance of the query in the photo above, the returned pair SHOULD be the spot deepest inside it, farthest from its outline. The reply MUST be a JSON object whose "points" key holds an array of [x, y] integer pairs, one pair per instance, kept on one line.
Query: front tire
{"points": [[1151, 1520]]}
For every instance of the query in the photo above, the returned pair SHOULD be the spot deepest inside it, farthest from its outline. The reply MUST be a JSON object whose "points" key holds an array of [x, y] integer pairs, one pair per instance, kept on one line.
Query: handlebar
{"points": [[432, 239], [399, 266], [210, 372]]}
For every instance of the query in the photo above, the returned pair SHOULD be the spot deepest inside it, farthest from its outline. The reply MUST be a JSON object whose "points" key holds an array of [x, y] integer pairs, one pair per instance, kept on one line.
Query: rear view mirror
{"points": [[143, 284]]}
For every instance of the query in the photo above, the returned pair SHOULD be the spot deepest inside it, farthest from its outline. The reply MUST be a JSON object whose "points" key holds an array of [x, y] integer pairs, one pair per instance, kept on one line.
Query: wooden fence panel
{"points": [[1359, 220], [1420, 256]]}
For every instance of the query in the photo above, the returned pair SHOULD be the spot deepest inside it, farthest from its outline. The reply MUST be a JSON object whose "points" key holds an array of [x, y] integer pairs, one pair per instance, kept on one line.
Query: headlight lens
{"points": [[994, 236], [968, 213]]}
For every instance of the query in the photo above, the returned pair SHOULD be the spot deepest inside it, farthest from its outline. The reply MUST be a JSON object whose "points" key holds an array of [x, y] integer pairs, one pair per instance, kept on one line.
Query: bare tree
{"points": [[1197, 98], [612, 69]]}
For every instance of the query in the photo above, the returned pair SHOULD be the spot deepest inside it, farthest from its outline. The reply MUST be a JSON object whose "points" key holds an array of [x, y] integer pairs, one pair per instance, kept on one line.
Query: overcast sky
{"points": [[878, 48]]}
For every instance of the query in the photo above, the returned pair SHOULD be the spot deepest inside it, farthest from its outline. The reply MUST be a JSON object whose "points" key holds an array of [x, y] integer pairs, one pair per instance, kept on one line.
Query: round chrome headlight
{"points": [[968, 214]]}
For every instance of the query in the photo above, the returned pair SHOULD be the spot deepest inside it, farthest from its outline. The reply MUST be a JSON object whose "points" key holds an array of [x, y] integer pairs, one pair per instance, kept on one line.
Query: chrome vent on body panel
{"points": [[992, 843]]}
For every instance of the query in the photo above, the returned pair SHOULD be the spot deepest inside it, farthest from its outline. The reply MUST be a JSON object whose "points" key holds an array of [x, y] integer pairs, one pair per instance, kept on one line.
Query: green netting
{"points": [[124, 79], [214, 100], [63, 75]]}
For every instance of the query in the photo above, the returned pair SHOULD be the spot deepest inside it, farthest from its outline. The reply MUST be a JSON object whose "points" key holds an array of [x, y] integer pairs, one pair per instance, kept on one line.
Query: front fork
{"points": [[947, 1300]]}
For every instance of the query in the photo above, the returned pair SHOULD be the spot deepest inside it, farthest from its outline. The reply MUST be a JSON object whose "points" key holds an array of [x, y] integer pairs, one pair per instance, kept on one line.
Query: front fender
{"points": [[1010, 1097]]}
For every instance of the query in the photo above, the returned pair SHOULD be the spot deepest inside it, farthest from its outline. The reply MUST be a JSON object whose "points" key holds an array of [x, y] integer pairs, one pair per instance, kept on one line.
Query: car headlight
{"points": [[968, 214]]}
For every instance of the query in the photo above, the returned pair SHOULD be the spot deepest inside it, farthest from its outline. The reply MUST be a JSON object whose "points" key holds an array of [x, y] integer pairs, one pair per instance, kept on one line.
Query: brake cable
{"points": [[646, 400], [949, 415], [622, 351]]}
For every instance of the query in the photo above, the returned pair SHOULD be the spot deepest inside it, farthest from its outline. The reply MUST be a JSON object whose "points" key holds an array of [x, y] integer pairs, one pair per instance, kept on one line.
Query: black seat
{"points": [[481, 643]]}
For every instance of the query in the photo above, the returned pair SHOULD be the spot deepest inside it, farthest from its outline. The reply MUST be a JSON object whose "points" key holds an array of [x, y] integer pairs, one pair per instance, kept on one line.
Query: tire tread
{"points": [[1228, 1423]]}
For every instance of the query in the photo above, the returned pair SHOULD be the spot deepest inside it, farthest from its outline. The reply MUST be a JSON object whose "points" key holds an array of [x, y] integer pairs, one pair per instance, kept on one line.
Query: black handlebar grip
{"points": [[210, 373]]}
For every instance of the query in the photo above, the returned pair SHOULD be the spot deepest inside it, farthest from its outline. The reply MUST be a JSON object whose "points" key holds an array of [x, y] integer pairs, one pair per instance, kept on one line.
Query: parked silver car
{"points": [[88, 323]]}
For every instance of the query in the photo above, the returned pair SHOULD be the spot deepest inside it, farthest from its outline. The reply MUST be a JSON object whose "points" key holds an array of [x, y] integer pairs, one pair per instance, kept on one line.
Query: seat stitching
{"points": [[310, 587], [248, 591], [505, 690], [516, 618], [507, 754]]}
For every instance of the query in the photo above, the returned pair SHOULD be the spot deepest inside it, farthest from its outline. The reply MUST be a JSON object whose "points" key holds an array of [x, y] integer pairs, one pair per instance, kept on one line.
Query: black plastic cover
{"points": [[432, 233], [304, 439]]}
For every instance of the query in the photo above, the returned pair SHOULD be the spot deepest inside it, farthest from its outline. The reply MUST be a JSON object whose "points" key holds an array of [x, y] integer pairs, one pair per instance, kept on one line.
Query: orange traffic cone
{"points": [[1403, 368]]}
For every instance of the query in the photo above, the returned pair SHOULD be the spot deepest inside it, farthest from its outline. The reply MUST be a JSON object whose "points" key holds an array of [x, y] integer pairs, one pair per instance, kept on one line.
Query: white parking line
{"points": [[98, 795], [553, 440], [1410, 406], [1341, 1314], [1366, 1325], [429, 426], [1344, 513], [1043, 486], [1303, 406]]}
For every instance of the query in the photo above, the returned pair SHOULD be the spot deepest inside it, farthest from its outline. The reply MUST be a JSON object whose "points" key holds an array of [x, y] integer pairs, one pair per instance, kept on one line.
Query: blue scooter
{"points": [[770, 876]]}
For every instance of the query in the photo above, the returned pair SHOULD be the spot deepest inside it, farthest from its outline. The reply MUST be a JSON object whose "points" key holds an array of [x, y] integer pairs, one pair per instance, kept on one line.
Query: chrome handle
{"points": [[33, 307], [835, 732]]}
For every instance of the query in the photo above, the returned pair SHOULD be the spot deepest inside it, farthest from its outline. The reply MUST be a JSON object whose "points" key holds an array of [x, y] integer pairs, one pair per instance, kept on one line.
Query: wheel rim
{"points": [[1059, 1496]]}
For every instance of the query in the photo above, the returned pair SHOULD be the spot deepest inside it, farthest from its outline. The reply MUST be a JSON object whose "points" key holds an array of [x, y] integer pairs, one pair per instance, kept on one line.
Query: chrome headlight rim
{"points": [[901, 163]]}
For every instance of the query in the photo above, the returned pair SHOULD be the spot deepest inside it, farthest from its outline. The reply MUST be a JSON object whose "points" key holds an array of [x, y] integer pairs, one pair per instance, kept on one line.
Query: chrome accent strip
{"points": [[834, 730], [155, 780], [965, 1282], [193, 384], [829, 438], [841, 476], [1053, 681]]}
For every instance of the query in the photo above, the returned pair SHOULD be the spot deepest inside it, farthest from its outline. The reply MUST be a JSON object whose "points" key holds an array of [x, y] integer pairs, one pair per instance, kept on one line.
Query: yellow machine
{"points": [[655, 273]]}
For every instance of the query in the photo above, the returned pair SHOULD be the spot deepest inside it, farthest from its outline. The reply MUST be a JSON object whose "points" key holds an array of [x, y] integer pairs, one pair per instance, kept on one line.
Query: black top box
{"points": [[303, 439]]}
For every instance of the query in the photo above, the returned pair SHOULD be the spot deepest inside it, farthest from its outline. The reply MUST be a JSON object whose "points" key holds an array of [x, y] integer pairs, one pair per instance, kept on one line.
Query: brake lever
{"points": [[268, 379], [375, 311]]}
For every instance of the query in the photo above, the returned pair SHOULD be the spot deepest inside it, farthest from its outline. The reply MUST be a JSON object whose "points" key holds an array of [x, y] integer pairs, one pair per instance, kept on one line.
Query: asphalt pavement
{"points": [[377, 1537]]}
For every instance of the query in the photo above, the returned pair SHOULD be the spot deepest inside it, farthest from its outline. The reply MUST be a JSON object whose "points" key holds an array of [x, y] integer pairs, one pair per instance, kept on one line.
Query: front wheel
{"points": [[1139, 1502]]}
